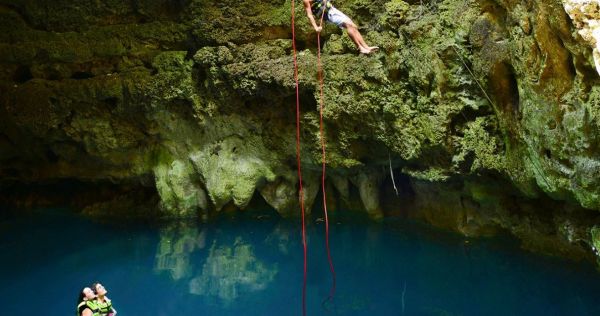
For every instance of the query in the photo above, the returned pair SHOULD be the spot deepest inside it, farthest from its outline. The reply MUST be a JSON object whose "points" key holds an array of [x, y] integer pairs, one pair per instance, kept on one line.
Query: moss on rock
{"points": [[180, 193], [232, 168], [200, 97]]}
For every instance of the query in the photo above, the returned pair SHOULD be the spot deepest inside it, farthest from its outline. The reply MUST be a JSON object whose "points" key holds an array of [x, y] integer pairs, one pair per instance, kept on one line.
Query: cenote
{"points": [[464, 135], [252, 265]]}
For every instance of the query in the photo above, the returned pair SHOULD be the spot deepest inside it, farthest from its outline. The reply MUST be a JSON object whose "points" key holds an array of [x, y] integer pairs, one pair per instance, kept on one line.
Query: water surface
{"points": [[252, 266]]}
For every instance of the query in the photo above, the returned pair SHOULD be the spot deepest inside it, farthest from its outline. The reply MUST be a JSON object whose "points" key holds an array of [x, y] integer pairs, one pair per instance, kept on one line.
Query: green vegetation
{"points": [[200, 97]]}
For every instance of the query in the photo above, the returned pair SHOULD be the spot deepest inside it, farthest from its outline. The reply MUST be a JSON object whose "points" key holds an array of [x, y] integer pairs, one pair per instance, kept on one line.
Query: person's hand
{"points": [[318, 29]]}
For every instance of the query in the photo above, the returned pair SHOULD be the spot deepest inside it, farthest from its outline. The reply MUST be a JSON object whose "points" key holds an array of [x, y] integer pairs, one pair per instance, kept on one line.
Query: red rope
{"points": [[322, 133], [301, 192]]}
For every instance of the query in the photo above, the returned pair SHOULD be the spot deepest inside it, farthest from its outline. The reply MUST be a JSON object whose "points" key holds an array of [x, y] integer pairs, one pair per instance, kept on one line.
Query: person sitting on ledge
{"points": [[324, 8]]}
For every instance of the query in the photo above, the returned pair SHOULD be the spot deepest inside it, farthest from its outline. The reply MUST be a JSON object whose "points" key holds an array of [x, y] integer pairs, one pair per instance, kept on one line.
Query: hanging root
{"points": [[392, 174]]}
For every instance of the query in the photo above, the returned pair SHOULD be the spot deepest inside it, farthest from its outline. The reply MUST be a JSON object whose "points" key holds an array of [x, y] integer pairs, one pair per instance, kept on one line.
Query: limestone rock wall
{"points": [[585, 15], [484, 106]]}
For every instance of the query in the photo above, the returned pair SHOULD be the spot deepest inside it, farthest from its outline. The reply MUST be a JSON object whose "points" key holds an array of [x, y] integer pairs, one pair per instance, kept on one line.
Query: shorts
{"points": [[336, 17]]}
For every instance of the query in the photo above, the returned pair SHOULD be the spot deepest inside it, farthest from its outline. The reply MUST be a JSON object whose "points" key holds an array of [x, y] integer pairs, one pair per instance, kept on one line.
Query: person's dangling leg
{"points": [[354, 34], [343, 21]]}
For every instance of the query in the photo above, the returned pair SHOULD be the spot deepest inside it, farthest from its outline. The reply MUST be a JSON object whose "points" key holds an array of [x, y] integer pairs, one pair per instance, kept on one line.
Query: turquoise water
{"points": [[254, 267]]}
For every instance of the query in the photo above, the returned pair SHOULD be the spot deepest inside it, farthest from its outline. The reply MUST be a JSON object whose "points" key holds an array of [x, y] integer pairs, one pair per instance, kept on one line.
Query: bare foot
{"points": [[364, 51]]}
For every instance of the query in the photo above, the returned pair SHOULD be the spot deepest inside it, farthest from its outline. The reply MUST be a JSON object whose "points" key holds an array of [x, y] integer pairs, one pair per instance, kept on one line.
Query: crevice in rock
{"points": [[80, 75], [466, 115], [505, 88], [402, 182], [22, 74], [148, 65], [307, 102], [111, 103], [51, 156], [261, 207], [183, 107], [467, 162], [589, 75], [397, 75]]}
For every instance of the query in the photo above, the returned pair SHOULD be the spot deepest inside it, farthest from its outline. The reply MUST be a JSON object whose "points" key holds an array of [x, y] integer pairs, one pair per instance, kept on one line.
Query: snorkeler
{"points": [[103, 303], [86, 303], [324, 8]]}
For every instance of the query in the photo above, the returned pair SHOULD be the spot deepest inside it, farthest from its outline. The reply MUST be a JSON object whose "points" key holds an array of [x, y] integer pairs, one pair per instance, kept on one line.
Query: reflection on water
{"points": [[254, 267], [176, 245], [231, 270], [280, 239], [227, 270]]}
